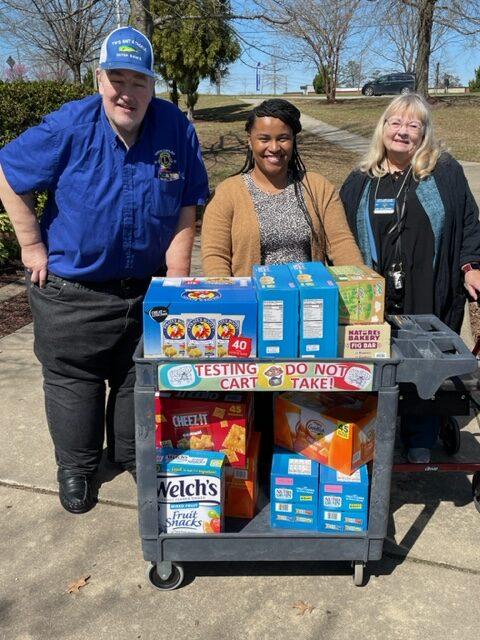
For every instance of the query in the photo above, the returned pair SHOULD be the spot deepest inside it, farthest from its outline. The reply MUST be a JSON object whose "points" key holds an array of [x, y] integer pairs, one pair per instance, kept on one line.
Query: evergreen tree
{"points": [[474, 85], [192, 40]]}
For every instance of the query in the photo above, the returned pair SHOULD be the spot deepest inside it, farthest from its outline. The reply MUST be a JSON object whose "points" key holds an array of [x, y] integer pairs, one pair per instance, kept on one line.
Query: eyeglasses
{"points": [[413, 126]]}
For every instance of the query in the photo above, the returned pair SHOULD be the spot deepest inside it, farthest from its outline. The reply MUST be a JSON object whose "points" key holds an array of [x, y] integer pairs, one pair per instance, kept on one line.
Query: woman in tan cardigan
{"points": [[274, 211]]}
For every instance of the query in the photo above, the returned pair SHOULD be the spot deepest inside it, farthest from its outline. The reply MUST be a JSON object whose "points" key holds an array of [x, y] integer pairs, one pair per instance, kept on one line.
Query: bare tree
{"points": [[459, 16], [141, 17], [320, 28], [62, 30]]}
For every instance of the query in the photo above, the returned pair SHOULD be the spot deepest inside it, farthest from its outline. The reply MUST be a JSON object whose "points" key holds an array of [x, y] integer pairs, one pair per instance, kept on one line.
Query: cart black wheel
{"points": [[174, 580], [476, 490], [450, 435], [358, 576]]}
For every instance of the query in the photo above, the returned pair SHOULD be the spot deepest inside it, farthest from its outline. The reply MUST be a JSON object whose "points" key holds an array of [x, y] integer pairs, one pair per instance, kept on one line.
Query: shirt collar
{"points": [[112, 137]]}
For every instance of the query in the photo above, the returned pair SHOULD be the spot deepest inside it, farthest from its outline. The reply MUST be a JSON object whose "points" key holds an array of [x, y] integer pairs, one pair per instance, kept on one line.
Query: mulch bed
{"points": [[14, 314]]}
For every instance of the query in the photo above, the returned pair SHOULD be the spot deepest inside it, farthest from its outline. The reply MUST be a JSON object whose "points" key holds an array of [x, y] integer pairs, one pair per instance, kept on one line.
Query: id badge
{"points": [[384, 206]]}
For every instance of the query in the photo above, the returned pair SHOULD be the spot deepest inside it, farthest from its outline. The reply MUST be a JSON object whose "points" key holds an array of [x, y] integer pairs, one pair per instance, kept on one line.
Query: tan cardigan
{"points": [[231, 233]]}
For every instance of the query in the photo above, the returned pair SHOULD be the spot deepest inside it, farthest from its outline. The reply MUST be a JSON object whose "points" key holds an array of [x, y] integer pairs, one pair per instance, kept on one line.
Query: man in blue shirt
{"points": [[124, 174]]}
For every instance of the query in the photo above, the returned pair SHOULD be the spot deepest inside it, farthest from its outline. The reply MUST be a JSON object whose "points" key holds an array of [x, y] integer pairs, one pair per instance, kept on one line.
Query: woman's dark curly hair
{"points": [[290, 115]]}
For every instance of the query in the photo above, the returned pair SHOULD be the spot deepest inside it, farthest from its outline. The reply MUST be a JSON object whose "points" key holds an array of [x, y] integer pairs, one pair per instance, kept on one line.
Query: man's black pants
{"points": [[85, 335]]}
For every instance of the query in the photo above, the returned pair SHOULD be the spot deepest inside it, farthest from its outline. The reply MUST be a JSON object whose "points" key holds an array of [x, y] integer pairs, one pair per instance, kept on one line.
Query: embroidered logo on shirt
{"points": [[167, 165]]}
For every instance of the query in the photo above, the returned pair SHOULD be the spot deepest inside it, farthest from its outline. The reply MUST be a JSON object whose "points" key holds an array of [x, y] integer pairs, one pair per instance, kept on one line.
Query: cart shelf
{"points": [[425, 352]]}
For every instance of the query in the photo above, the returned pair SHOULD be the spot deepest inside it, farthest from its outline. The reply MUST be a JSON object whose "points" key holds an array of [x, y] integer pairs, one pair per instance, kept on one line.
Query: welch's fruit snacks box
{"points": [[318, 310], [191, 490], [278, 321], [199, 318], [293, 491]]}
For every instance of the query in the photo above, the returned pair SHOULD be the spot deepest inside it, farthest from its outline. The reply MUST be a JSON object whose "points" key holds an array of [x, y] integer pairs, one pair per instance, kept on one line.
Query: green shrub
{"points": [[318, 83], [474, 85], [22, 105]]}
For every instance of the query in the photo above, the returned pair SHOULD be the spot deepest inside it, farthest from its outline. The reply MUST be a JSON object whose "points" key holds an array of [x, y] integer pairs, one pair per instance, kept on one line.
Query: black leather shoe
{"points": [[75, 491]]}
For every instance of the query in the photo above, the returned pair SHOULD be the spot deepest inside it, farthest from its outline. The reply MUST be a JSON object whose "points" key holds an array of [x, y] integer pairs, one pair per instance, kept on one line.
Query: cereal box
{"points": [[278, 319], [206, 420], [241, 485], [343, 500], [293, 491], [318, 316], [361, 295], [364, 340], [190, 487], [335, 429], [199, 318]]}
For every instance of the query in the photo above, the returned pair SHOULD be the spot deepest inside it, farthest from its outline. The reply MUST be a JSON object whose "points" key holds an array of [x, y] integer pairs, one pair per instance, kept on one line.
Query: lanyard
{"points": [[398, 224]]}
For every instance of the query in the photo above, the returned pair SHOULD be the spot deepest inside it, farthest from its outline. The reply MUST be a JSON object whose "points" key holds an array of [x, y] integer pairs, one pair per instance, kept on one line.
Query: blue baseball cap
{"points": [[127, 48]]}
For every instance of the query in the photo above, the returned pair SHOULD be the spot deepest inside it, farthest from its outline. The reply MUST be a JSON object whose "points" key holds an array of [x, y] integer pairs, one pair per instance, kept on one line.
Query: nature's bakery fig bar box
{"points": [[364, 340], [361, 294]]}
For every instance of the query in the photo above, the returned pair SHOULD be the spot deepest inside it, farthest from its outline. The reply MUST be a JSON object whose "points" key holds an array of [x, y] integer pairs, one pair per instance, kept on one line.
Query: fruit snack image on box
{"points": [[318, 305], [335, 429], [199, 318], [206, 420], [293, 491], [241, 484], [361, 293], [364, 340], [191, 491], [343, 500], [278, 320]]}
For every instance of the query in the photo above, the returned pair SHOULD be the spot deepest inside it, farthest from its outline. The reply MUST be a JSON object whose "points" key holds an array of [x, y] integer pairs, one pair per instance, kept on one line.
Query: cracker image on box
{"points": [[206, 420], [361, 293], [335, 429]]}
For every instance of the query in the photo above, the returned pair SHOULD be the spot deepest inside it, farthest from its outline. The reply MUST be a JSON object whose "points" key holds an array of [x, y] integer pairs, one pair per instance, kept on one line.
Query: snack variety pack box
{"points": [[278, 319], [191, 491], [364, 340], [336, 429], [343, 500], [241, 485], [199, 318], [361, 293], [205, 420], [294, 491], [318, 315]]}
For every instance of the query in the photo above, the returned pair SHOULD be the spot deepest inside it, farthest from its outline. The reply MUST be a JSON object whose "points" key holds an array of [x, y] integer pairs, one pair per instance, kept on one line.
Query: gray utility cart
{"points": [[424, 352]]}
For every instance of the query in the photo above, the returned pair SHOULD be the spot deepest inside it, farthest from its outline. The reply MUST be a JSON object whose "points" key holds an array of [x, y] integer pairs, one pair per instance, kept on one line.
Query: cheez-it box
{"points": [[241, 485], [210, 421]]}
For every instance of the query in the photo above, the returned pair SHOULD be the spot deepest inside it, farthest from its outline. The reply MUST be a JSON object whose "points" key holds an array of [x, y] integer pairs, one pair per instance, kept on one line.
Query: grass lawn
{"points": [[220, 124], [456, 119]]}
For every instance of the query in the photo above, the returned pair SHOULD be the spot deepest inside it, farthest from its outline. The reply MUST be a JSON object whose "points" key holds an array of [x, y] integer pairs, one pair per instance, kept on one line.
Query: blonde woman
{"points": [[416, 222]]}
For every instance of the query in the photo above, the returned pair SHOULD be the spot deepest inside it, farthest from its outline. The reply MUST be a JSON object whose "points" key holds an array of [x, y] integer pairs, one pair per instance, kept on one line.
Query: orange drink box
{"points": [[205, 420], [335, 429], [241, 485]]}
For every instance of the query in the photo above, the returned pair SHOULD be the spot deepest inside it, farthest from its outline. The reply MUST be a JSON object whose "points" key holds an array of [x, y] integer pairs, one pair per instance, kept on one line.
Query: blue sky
{"points": [[259, 42], [457, 59]]}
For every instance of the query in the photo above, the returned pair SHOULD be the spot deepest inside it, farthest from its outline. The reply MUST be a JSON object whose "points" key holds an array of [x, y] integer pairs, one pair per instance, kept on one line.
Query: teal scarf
{"points": [[430, 199]]}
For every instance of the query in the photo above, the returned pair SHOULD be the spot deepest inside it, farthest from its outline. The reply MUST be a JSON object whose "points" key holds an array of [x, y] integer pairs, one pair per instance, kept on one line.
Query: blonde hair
{"points": [[427, 154]]}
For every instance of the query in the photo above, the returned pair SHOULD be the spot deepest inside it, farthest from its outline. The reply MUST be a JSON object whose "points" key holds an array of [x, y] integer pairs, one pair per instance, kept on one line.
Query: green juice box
{"points": [[361, 294]]}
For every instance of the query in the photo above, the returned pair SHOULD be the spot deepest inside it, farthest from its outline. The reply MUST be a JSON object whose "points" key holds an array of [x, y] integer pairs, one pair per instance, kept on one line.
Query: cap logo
{"points": [[127, 48]]}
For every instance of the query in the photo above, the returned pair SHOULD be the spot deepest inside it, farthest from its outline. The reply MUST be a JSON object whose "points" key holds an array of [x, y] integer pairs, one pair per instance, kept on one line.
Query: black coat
{"points": [[460, 241]]}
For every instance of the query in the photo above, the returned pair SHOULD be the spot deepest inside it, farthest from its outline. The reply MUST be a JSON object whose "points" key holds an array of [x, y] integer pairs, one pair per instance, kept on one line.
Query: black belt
{"points": [[120, 285]]}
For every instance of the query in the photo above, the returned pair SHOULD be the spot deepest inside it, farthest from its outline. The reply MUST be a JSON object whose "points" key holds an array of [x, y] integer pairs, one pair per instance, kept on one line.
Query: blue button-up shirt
{"points": [[111, 212]]}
